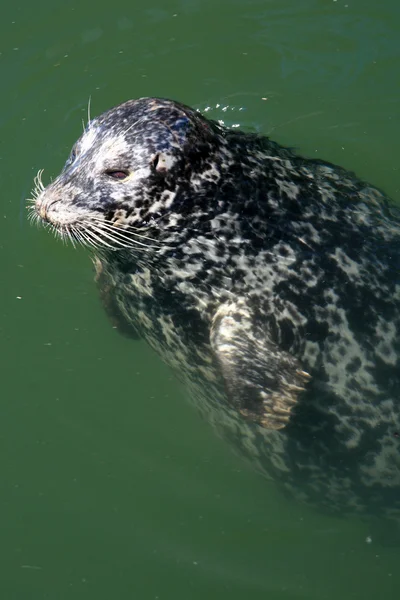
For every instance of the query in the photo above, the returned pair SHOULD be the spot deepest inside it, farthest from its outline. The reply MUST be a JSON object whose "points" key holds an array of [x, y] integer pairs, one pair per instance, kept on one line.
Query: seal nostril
{"points": [[43, 209]]}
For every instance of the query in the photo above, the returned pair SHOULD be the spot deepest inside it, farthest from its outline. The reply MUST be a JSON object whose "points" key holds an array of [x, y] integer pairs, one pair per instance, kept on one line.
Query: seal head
{"points": [[125, 172]]}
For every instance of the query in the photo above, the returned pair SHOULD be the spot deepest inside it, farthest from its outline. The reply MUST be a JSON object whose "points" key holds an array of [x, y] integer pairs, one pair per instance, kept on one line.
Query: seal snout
{"points": [[52, 210], [41, 209], [44, 209]]}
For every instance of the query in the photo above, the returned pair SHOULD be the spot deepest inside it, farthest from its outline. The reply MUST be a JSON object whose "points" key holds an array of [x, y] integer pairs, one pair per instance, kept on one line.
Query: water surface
{"points": [[111, 485]]}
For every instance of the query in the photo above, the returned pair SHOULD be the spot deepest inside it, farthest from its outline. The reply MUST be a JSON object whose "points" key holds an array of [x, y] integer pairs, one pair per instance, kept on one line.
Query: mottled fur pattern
{"points": [[267, 281]]}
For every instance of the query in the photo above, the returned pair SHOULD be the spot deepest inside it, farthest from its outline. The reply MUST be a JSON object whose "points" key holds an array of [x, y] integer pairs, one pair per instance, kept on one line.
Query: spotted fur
{"points": [[268, 282]]}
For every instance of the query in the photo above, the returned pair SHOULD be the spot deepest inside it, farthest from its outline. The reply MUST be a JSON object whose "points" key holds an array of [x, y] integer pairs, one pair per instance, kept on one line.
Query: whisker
{"points": [[131, 230], [77, 235], [122, 237], [92, 235], [57, 233], [38, 186], [134, 124], [103, 220], [71, 237], [122, 242], [33, 219], [38, 180], [103, 234], [62, 232], [86, 240], [140, 120], [88, 111], [32, 214], [83, 239]]}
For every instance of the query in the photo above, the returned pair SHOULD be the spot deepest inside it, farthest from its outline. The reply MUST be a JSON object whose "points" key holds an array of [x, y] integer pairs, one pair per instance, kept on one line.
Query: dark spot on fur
{"points": [[354, 365]]}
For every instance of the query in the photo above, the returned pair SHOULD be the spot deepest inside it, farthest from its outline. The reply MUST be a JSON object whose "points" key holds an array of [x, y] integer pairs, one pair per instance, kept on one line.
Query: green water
{"points": [[111, 486]]}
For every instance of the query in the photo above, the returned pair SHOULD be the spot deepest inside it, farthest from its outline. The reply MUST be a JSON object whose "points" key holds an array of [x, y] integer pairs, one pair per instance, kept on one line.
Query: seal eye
{"points": [[117, 174], [71, 158]]}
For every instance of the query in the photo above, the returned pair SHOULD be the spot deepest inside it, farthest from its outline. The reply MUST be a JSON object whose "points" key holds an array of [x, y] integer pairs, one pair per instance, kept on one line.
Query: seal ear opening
{"points": [[162, 162]]}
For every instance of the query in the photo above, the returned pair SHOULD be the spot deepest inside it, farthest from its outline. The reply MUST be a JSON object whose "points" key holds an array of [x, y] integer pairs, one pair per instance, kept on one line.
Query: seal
{"points": [[267, 281]]}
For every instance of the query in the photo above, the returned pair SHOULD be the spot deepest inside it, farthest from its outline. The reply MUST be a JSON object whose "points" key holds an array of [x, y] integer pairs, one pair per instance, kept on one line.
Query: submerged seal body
{"points": [[268, 282]]}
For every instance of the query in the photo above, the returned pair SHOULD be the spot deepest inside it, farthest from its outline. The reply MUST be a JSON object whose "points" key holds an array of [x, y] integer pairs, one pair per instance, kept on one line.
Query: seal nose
{"points": [[42, 210]]}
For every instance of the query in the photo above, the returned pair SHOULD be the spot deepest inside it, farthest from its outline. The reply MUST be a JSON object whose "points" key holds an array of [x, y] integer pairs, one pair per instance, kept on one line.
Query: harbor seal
{"points": [[267, 281]]}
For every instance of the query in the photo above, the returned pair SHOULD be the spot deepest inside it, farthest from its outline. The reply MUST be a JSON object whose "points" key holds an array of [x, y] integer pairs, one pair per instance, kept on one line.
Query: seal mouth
{"points": [[86, 228]]}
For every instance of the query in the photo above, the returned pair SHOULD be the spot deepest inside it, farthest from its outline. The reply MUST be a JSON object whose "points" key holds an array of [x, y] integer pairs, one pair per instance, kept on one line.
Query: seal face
{"points": [[268, 282]]}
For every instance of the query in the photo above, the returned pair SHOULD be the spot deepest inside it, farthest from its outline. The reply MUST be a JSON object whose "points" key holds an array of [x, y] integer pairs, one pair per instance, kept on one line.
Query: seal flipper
{"points": [[263, 382]]}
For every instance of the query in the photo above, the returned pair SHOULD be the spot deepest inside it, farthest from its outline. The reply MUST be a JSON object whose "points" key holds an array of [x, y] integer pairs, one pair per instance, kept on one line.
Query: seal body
{"points": [[268, 282]]}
